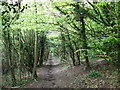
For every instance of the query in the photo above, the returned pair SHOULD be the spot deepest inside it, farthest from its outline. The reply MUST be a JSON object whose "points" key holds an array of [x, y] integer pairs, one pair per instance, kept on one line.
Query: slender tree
{"points": [[35, 49]]}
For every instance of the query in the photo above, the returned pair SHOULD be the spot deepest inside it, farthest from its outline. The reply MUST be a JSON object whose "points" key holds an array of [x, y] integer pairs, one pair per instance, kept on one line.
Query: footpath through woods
{"points": [[53, 74], [46, 75]]}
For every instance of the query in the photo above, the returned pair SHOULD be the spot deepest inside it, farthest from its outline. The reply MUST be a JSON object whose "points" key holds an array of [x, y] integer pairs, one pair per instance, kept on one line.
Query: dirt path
{"points": [[50, 65], [56, 75], [46, 76]]}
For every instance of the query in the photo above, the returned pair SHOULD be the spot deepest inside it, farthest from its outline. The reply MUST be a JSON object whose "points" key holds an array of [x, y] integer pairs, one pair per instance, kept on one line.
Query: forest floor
{"points": [[56, 75]]}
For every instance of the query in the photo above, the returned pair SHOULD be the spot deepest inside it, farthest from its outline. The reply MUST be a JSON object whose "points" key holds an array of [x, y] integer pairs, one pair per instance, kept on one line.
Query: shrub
{"points": [[93, 73]]}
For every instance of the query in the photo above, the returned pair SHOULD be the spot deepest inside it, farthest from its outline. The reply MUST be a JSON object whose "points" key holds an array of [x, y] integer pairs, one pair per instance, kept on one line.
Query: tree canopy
{"points": [[73, 31]]}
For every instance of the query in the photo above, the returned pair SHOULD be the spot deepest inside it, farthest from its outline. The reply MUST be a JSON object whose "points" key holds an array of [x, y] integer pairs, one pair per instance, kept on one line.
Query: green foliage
{"points": [[93, 73], [100, 38], [23, 82], [18, 83]]}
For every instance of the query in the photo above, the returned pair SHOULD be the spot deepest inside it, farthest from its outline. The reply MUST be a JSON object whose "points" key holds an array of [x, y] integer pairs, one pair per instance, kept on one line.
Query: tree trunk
{"points": [[20, 67], [85, 42], [63, 47], [10, 60], [77, 53], [42, 49], [118, 16], [72, 55], [34, 73], [118, 62], [35, 56]]}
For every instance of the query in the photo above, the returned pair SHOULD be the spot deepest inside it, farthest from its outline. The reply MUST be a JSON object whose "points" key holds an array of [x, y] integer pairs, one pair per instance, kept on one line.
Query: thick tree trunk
{"points": [[77, 53], [85, 42], [72, 56]]}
